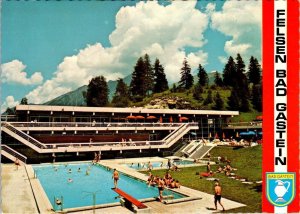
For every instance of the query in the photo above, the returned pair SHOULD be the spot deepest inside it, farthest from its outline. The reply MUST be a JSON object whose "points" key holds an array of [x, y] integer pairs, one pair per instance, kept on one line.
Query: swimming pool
{"points": [[157, 165], [79, 192]]}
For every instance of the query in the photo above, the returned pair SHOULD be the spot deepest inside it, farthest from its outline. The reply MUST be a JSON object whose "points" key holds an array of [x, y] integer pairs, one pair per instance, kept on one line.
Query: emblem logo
{"points": [[280, 188]]}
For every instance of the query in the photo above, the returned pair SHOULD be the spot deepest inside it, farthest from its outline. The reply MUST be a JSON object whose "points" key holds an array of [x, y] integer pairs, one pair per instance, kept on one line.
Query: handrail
{"points": [[128, 143], [25, 136], [92, 124], [172, 133], [14, 153], [177, 133], [247, 124]]}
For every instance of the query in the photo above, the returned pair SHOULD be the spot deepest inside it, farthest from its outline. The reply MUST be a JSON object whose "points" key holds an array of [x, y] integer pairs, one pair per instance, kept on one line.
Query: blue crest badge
{"points": [[280, 188]]}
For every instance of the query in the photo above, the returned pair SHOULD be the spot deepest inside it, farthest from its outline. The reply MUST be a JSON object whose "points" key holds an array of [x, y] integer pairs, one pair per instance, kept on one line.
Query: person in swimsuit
{"points": [[218, 195], [115, 177], [160, 185]]}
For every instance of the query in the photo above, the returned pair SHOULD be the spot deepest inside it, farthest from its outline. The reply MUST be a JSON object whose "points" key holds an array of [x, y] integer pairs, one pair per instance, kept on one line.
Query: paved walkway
{"points": [[17, 196], [16, 192]]}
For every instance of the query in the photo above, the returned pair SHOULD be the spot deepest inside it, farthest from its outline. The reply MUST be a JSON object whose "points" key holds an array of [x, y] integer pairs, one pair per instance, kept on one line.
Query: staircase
{"points": [[23, 137], [12, 154], [201, 151], [178, 133]]}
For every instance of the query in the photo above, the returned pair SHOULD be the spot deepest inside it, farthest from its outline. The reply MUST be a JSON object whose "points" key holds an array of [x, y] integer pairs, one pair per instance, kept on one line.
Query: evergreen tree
{"points": [[197, 91], [257, 97], [229, 73], [10, 111], [209, 98], [174, 88], [24, 101], [241, 81], [97, 92], [187, 80], [160, 80], [149, 75], [202, 76], [137, 85], [233, 101], [244, 104], [121, 96], [254, 71], [218, 80], [219, 103]]}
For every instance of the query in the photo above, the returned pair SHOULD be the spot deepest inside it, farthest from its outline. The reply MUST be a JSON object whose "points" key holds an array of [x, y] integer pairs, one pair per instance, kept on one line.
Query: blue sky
{"points": [[51, 47]]}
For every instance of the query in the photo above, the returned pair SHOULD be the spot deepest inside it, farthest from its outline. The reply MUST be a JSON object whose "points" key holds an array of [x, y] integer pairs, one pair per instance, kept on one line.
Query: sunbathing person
{"points": [[177, 184], [205, 174], [219, 170], [172, 184]]}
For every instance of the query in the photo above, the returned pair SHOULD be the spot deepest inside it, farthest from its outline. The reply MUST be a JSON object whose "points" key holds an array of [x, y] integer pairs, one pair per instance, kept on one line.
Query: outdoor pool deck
{"points": [[17, 196]]}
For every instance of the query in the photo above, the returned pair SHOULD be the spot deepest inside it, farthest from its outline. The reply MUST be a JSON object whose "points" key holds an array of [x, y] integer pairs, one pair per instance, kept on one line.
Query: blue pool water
{"points": [[156, 165], [80, 192]]}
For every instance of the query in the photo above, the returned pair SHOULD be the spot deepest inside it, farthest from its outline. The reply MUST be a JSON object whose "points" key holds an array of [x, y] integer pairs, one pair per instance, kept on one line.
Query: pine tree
{"points": [[233, 101], [121, 96], [218, 80], [202, 76], [24, 101], [244, 104], [174, 88], [254, 71], [229, 73], [197, 91], [137, 85], [219, 103], [241, 81], [257, 97], [160, 80], [187, 80], [209, 98], [97, 92], [149, 75]]}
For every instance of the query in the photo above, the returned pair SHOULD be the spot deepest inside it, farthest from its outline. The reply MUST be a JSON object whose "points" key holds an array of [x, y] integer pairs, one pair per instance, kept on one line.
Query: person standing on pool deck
{"points": [[218, 195], [169, 164], [116, 178]]}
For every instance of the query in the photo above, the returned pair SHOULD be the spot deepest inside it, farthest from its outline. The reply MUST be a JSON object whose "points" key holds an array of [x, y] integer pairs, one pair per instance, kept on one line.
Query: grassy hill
{"points": [[181, 100]]}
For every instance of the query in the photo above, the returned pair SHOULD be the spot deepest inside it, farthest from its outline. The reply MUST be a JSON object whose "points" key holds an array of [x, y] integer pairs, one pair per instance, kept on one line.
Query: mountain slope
{"points": [[75, 98]]}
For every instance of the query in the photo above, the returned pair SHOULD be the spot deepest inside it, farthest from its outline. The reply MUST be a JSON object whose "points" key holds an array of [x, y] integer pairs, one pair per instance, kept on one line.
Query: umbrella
{"points": [[160, 119], [171, 119], [247, 133], [131, 117], [140, 117], [260, 117], [183, 118], [223, 135], [216, 135], [151, 117]]}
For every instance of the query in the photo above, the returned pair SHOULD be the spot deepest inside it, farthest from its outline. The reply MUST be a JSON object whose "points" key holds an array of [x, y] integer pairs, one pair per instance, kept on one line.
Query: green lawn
{"points": [[246, 160]]}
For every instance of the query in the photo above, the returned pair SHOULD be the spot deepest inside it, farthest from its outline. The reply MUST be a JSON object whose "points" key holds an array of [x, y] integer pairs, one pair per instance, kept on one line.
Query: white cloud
{"points": [[243, 22], [223, 59], [210, 8], [148, 27], [8, 103], [14, 72]]}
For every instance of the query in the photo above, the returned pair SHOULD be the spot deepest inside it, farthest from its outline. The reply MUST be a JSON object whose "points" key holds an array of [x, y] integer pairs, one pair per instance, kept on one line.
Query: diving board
{"points": [[130, 199]]}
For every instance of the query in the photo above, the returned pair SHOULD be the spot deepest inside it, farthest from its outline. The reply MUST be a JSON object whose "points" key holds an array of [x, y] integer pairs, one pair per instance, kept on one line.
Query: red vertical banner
{"points": [[293, 96], [268, 97]]}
